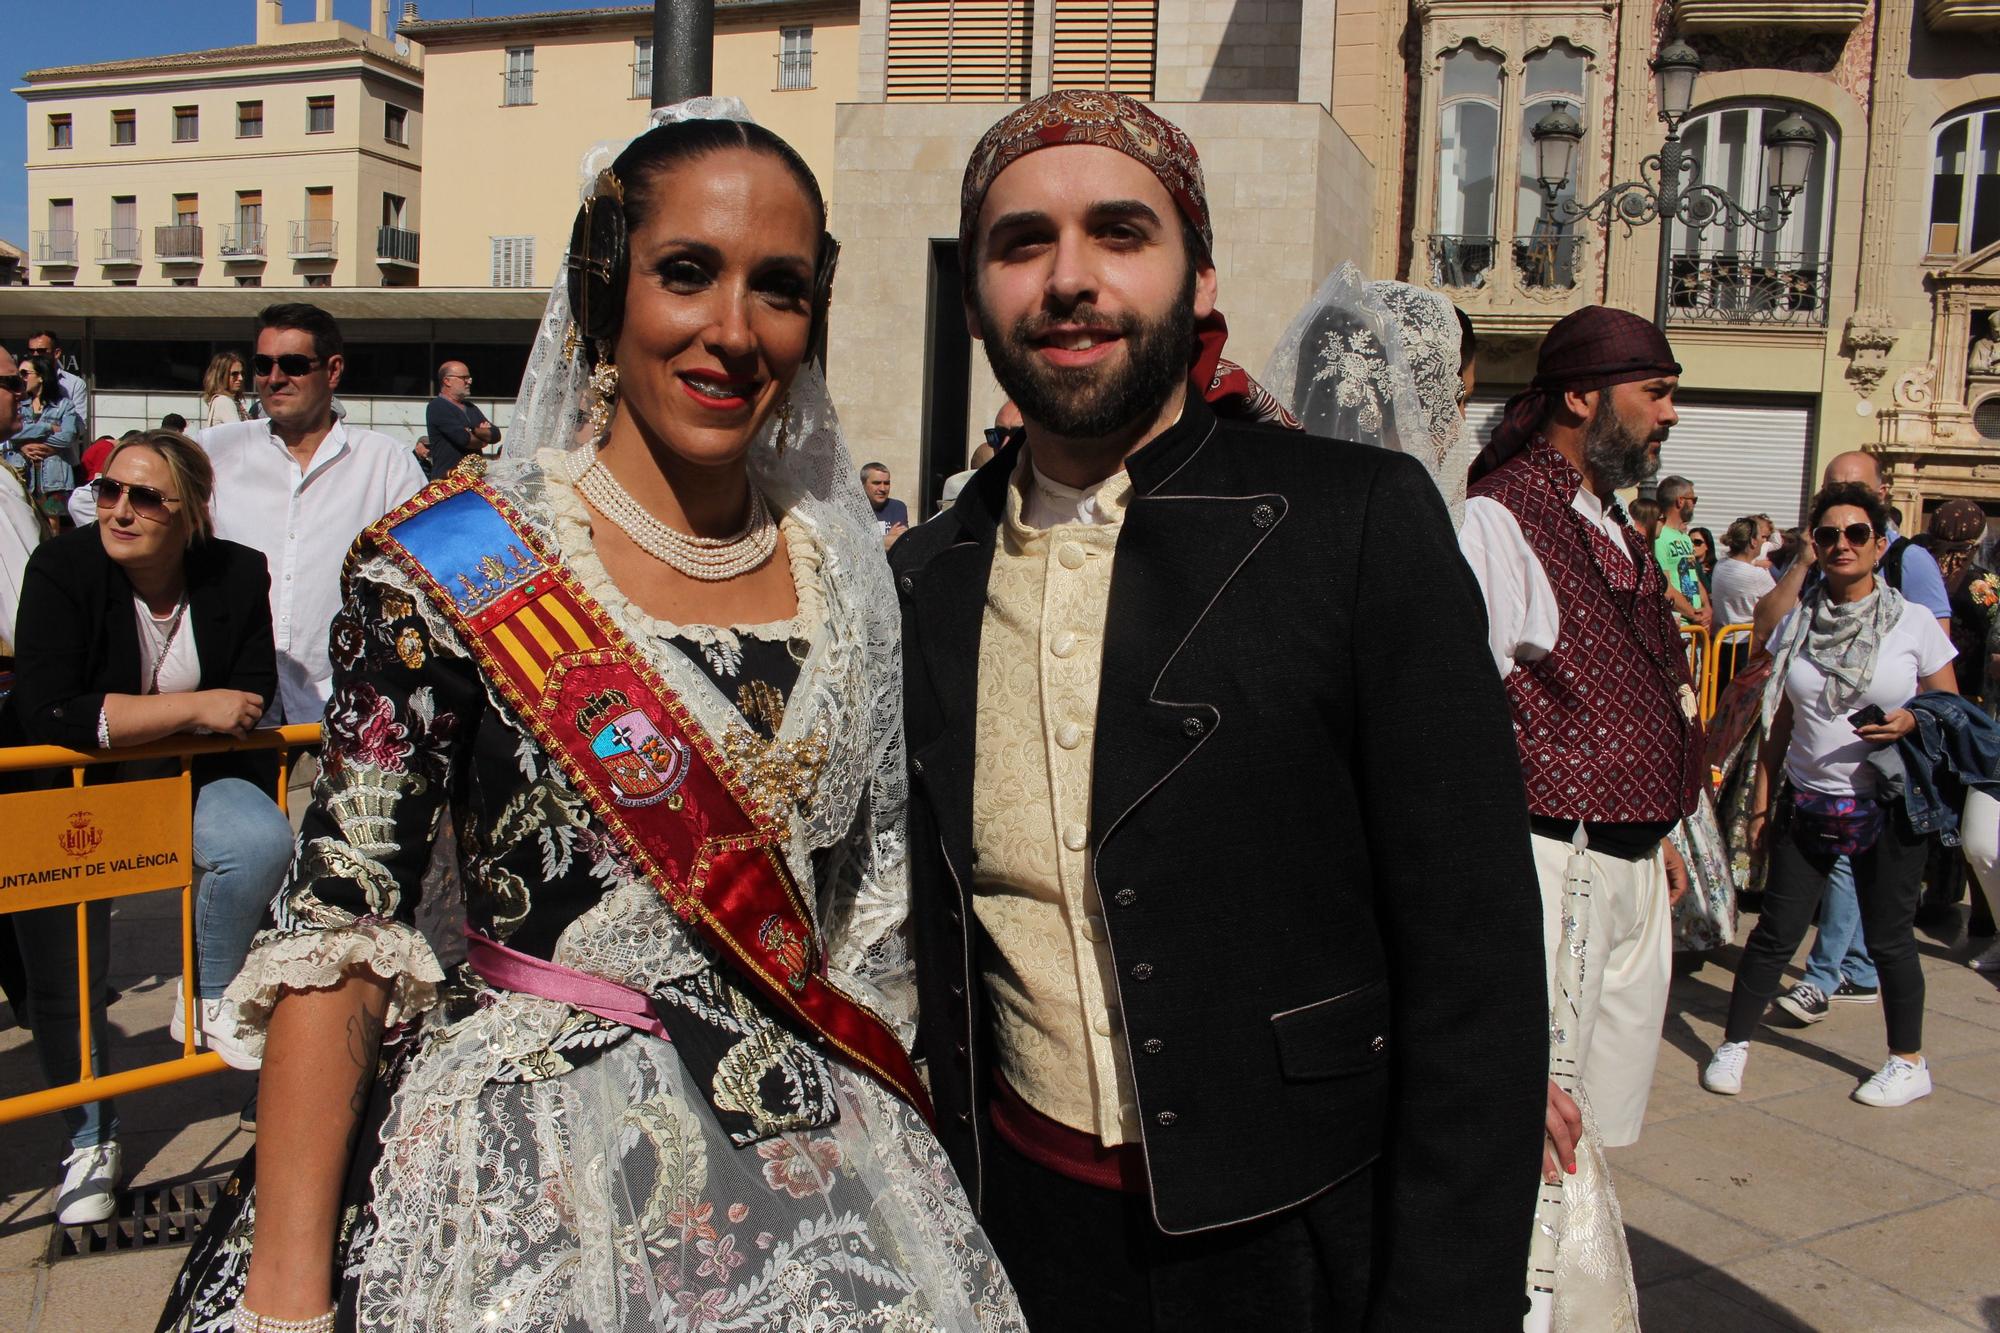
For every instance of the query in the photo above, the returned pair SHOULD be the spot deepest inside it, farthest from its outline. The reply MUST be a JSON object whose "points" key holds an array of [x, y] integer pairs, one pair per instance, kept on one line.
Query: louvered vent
{"points": [[959, 50], [1105, 44]]}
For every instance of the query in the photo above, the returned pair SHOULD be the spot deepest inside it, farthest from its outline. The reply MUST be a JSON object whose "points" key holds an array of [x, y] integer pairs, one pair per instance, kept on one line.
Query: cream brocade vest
{"points": [[1056, 1022]]}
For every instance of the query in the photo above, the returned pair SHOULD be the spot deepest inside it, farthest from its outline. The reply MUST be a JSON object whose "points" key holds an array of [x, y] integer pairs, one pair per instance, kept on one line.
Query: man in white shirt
{"points": [[300, 485], [20, 530]]}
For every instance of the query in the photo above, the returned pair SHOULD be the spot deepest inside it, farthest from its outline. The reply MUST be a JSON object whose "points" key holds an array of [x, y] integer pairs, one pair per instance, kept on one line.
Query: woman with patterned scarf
{"points": [[637, 686]]}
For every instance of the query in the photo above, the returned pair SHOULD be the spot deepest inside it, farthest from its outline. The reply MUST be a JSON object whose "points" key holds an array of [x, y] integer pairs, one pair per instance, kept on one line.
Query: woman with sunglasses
{"points": [[139, 627], [46, 448], [222, 390], [1846, 661]]}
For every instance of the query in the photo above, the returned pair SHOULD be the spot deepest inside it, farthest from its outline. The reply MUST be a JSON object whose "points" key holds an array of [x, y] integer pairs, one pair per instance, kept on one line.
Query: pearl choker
{"points": [[709, 559]]}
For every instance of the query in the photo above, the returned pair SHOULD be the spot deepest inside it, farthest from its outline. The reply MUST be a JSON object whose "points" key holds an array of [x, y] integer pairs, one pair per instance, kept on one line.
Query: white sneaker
{"points": [[1897, 1083], [90, 1185], [1988, 961], [1725, 1068], [218, 1030]]}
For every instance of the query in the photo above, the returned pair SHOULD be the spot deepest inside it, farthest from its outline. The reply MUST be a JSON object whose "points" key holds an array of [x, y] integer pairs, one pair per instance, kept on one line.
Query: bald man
{"points": [[453, 424], [1005, 422], [1909, 569]]}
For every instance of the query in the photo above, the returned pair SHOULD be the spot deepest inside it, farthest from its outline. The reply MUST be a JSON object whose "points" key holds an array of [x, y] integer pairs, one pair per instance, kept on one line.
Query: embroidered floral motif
{"points": [[410, 648], [762, 705], [799, 1169]]}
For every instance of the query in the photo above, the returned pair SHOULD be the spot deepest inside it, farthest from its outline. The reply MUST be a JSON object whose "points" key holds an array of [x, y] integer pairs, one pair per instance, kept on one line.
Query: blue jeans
{"points": [[242, 845], [1839, 950], [48, 953]]}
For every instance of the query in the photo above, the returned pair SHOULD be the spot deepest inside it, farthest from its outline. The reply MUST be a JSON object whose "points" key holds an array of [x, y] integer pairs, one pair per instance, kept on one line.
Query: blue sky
{"points": [[78, 33]]}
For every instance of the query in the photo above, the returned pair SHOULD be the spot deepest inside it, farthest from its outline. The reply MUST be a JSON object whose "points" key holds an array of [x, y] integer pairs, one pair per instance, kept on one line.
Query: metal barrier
{"points": [[1728, 644], [1695, 640], [157, 805]]}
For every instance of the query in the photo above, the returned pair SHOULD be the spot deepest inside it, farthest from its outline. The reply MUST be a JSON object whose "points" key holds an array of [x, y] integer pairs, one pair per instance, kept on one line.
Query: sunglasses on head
{"points": [[1857, 534], [147, 501], [294, 364]]}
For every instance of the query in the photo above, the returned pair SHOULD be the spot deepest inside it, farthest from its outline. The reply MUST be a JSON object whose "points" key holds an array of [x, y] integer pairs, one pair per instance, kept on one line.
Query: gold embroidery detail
{"points": [[398, 605], [410, 647], [761, 704], [780, 775]]}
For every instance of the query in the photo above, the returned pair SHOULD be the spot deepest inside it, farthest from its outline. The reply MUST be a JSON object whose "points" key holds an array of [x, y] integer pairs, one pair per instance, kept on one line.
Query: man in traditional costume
{"points": [[1604, 709], [1199, 1051]]}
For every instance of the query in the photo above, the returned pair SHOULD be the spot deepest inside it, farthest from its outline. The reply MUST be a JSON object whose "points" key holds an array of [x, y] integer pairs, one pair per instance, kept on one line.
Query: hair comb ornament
{"points": [[596, 265]]}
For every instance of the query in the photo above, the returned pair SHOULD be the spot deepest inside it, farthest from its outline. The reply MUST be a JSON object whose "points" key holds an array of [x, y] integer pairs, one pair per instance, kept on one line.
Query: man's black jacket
{"points": [[1311, 842]]}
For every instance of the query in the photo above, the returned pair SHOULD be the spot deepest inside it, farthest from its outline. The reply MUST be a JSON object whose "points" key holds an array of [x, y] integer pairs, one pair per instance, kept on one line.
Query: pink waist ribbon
{"points": [[510, 970]]}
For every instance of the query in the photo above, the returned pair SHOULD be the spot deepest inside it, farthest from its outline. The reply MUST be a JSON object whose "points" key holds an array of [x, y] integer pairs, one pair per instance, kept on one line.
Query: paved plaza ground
{"points": [[1789, 1207]]}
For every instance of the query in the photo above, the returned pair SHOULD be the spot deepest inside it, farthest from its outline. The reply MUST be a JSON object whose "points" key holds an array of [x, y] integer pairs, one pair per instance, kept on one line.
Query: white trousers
{"points": [[1627, 966], [1979, 827]]}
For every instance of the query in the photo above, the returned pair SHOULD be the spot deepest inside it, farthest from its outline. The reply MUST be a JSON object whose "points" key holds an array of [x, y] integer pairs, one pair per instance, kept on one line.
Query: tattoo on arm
{"points": [[364, 1045]]}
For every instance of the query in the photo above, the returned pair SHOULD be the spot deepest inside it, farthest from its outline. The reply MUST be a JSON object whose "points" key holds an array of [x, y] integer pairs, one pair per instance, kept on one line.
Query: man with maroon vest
{"points": [[1604, 710]]}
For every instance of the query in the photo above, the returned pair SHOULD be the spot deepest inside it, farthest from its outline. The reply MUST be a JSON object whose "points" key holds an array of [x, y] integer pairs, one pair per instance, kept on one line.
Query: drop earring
{"points": [[603, 394]]}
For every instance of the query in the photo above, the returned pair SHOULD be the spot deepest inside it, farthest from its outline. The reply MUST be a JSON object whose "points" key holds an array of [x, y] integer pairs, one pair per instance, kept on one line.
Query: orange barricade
{"points": [[74, 845], [1695, 639], [1730, 647]]}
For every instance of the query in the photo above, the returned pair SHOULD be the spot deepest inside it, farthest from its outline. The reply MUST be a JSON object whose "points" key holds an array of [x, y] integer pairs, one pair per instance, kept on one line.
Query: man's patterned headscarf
{"points": [[1115, 121]]}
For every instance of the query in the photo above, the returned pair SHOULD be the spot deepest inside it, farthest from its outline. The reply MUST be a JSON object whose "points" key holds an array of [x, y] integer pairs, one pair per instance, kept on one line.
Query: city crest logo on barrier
{"points": [[82, 837]]}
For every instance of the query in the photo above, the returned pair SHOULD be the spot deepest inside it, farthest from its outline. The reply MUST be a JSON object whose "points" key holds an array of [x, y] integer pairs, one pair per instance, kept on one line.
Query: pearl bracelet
{"points": [[249, 1321]]}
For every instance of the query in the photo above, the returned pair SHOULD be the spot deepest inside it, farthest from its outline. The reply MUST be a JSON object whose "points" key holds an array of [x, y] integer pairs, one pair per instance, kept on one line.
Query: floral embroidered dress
{"points": [[529, 1165]]}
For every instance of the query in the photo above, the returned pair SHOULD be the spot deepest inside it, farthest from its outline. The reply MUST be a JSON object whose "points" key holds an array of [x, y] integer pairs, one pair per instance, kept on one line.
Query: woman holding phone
{"points": [[1847, 661]]}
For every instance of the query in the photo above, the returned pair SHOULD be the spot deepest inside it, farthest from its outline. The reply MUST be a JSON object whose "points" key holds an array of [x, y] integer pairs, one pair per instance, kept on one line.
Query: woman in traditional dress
{"points": [[648, 676], [1381, 363]]}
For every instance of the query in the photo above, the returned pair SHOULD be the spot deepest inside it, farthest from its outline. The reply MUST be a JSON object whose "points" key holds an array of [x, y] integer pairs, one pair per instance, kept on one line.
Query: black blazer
{"points": [[77, 640], [1311, 841]]}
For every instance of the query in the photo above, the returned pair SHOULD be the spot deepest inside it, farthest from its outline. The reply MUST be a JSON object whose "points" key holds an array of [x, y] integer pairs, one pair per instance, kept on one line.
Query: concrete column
{"points": [[322, 11], [1042, 54], [270, 18]]}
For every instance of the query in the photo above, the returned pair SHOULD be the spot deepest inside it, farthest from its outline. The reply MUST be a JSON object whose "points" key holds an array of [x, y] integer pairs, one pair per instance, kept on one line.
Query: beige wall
{"points": [[1289, 191], [355, 160], [493, 170]]}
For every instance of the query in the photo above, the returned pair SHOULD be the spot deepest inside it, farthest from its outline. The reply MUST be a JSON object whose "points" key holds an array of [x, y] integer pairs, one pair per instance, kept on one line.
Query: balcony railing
{"points": [[314, 238], [180, 241], [795, 71], [393, 245], [1769, 288], [1546, 261], [117, 245], [245, 240], [55, 247], [1460, 261]]}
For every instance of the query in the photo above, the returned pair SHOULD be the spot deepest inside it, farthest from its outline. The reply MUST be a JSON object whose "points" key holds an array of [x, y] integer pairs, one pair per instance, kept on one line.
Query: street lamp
{"points": [[1660, 194]]}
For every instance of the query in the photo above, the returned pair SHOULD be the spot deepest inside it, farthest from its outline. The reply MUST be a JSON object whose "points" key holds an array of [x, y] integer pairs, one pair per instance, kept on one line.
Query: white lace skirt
{"points": [[606, 1198]]}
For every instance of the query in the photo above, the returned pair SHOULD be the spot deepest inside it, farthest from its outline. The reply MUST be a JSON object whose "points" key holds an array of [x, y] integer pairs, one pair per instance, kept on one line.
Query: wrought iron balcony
{"points": [[1768, 288], [1461, 261], [393, 245], [178, 243], [117, 245], [245, 240], [55, 247], [315, 238], [1547, 261], [795, 71]]}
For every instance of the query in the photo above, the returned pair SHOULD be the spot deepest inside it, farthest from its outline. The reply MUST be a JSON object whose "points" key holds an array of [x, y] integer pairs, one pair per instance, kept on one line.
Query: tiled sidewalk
{"points": [[1789, 1207]]}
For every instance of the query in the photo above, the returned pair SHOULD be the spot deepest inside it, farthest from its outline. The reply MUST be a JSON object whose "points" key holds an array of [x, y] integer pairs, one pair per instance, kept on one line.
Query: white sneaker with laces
{"points": [[1724, 1074], [1988, 961], [218, 1030], [90, 1185], [1897, 1083]]}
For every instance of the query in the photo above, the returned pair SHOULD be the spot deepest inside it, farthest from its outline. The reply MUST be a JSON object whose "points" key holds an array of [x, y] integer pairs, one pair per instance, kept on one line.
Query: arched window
{"points": [[1468, 167], [1545, 248], [1965, 183], [1735, 273]]}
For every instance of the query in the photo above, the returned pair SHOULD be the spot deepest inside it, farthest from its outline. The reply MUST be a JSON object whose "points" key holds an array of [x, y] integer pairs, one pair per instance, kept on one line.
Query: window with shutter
{"points": [[513, 261], [1105, 44], [960, 50]]}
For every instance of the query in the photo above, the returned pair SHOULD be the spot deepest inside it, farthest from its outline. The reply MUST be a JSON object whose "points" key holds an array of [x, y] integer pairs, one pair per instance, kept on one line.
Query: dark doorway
{"points": [[947, 372]]}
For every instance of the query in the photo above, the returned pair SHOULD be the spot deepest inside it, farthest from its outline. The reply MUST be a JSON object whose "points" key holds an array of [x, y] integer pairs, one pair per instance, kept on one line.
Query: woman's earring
{"points": [[783, 438], [603, 396]]}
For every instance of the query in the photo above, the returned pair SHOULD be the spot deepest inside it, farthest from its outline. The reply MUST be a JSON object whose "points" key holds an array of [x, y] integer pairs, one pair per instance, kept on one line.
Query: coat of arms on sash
{"points": [[644, 766]]}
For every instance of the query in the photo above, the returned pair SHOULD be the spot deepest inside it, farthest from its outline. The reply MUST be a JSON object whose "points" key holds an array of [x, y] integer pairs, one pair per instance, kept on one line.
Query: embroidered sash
{"points": [[627, 743]]}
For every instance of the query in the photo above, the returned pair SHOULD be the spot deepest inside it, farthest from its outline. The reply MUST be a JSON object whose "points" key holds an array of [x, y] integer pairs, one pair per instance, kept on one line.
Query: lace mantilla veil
{"points": [[801, 464], [1377, 363]]}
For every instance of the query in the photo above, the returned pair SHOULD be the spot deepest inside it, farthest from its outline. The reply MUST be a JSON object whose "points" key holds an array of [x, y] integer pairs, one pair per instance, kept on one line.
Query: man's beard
{"points": [[1091, 402], [1617, 457]]}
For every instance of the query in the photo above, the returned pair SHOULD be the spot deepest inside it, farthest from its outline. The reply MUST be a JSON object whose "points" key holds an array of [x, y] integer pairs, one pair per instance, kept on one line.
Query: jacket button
{"points": [[1141, 971], [1165, 1119], [1152, 1046], [906, 583], [1263, 516], [1193, 726], [1379, 1045], [964, 1056], [917, 767], [1125, 897], [965, 1117], [957, 991]]}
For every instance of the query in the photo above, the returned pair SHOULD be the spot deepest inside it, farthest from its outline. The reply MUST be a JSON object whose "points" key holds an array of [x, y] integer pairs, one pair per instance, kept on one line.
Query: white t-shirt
{"points": [[1825, 755], [1737, 587], [180, 669]]}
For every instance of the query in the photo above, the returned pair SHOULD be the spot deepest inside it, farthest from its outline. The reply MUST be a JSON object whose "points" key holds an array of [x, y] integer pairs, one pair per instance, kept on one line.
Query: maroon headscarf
{"points": [[1592, 348], [1115, 121]]}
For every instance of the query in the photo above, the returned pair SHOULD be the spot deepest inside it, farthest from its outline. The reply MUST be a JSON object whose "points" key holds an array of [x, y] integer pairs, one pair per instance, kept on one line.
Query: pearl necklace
{"points": [[709, 559]]}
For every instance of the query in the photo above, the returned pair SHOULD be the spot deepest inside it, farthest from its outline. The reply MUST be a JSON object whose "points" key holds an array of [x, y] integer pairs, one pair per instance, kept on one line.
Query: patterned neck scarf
{"points": [[1118, 122], [1842, 639]]}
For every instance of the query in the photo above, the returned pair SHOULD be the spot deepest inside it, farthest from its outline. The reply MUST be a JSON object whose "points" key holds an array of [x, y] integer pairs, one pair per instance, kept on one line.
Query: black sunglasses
{"points": [[294, 364], [147, 502], [997, 436], [13, 384], [1857, 534]]}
